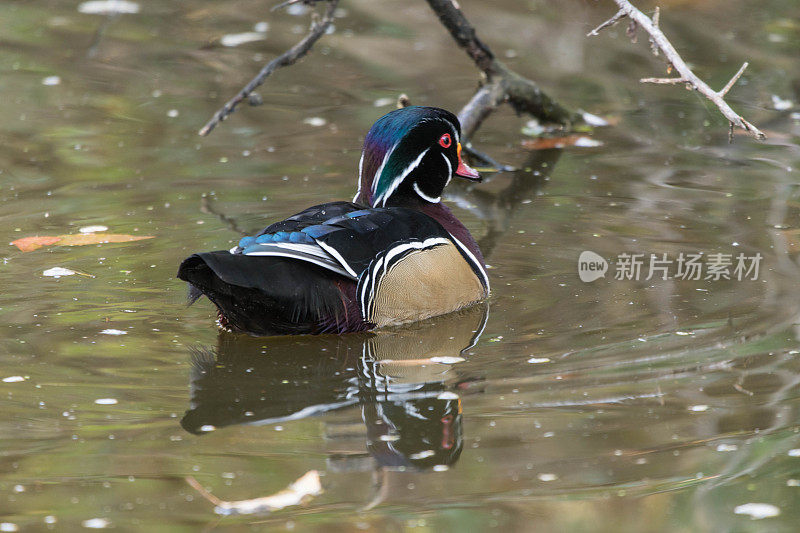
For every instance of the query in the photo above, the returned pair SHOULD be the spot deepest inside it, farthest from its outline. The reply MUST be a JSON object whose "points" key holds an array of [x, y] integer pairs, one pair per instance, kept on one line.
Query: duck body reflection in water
{"points": [[406, 382]]}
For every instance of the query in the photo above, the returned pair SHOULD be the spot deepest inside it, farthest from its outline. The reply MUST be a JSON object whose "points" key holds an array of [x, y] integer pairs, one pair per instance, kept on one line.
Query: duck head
{"points": [[410, 155]]}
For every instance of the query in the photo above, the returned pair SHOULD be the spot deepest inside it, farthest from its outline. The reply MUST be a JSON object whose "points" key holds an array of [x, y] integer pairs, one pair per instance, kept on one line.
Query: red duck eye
{"points": [[445, 141]]}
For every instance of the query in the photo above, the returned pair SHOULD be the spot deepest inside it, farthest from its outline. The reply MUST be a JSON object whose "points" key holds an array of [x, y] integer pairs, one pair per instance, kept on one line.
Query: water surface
{"points": [[616, 405]]}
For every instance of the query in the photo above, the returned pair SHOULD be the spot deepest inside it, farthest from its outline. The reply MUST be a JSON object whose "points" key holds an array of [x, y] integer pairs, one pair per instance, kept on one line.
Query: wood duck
{"points": [[394, 255]]}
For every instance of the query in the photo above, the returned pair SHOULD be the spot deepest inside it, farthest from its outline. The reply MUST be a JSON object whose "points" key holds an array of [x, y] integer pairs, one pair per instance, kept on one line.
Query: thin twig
{"points": [[664, 81], [610, 22], [733, 80], [290, 57], [659, 40]]}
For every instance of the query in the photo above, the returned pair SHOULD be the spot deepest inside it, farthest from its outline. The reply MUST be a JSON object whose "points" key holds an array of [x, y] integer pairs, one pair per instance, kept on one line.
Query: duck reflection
{"points": [[405, 380]]}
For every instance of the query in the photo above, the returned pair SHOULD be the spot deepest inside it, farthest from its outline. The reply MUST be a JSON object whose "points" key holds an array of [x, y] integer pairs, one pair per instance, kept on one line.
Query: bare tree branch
{"points": [[290, 57], [502, 85], [686, 75]]}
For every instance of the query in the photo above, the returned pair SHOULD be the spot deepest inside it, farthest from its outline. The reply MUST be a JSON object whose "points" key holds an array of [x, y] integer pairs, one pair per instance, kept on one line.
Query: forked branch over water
{"points": [[659, 42], [499, 85]]}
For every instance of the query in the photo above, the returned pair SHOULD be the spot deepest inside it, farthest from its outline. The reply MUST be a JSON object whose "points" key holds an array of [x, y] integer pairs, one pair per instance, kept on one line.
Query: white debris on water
{"points": [[315, 121], [794, 453], [106, 401], [447, 360], [538, 360], [757, 511], [96, 523], [593, 120], [57, 272], [13, 379], [587, 142], [383, 102], [93, 229], [51, 80], [235, 39], [207, 428], [8, 526], [113, 332], [698, 408], [547, 477], [779, 104], [727, 447], [447, 395], [108, 7]]}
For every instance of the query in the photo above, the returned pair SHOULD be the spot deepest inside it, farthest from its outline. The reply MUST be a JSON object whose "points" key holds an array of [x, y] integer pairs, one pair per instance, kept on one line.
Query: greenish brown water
{"points": [[658, 405]]}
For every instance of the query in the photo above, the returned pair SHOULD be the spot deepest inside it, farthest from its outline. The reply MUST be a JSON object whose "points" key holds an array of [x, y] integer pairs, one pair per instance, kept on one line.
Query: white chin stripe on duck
{"points": [[425, 196]]}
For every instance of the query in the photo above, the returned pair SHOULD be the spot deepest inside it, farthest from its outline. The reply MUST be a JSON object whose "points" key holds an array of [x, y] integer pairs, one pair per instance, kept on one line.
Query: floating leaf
{"points": [[298, 492], [28, 244], [547, 143]]}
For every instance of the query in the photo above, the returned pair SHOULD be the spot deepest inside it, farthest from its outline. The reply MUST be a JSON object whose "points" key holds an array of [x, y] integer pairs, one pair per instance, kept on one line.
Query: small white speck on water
{"points": [[113, 332], [93, 229], [172, 113], [208, 427], [441, 468], [108, 7], [315, 121], [538, 360], [757, 511], [447, 395], [96, 523], [51, 80], [13, 379], [8, 526], [698, 408], [106, 401], [547, 477], [447, 360], [727, 447], [794, 453]]}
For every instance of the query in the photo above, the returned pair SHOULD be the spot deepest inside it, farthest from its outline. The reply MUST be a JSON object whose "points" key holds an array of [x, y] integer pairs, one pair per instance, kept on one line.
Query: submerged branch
{"points": [[290, 57], [660, 42]]}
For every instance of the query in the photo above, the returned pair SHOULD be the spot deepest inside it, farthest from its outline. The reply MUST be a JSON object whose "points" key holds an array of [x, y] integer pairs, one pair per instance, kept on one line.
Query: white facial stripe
{"points": [[399, 179], [449, 170], [475, 262], [425, 196], [377, 177]]}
